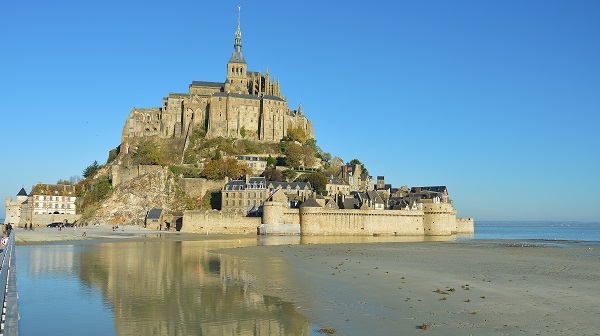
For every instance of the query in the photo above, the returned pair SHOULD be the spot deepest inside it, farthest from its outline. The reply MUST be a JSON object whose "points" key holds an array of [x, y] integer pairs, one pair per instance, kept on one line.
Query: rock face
{"points": [[130, 201]]}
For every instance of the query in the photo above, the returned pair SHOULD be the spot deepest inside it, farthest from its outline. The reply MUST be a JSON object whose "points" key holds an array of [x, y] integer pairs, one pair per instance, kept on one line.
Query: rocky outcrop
{"points": [[129, 201]]}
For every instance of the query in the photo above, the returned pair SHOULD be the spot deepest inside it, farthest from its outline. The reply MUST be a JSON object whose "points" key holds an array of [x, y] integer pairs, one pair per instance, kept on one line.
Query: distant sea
{"points": [[545, 230]]}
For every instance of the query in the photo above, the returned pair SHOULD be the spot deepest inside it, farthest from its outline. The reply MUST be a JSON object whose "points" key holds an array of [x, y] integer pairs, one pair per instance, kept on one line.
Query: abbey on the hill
{"points": [[247, 105]]}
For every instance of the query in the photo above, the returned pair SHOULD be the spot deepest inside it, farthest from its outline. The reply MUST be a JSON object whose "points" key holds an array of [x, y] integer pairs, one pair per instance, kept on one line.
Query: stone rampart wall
{"points": [[435, 219], [316, 221], [291, 216], [219, 222], [280, 229], [465, 225]]}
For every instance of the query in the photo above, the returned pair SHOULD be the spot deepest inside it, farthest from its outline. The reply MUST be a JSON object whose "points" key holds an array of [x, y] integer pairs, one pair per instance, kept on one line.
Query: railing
{"points": [[9, 323]]}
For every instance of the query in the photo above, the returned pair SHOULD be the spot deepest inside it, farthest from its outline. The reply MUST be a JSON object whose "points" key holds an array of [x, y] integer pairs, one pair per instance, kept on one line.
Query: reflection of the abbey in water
{"points": [[180, 288]]}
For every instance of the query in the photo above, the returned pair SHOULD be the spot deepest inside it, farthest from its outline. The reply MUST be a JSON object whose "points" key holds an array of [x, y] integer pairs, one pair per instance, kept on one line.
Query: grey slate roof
{"points": [[351, 203], [374, 197], [291, 185], [336, 180], [430, 188], [154, 213], [272, 97], [236, 95], [237, 57], [22, 192], [254, 183], [208, 84], [310, 203]]}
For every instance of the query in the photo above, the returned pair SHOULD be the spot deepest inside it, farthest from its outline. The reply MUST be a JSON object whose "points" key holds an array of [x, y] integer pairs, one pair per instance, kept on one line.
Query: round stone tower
{"points": [[310, 218], [273, 212], [439, 219]]}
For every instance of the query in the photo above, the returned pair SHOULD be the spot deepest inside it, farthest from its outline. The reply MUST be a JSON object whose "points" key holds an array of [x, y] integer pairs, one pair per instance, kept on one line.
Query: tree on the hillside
{"points": [[326, 156], [112, 155], [273, 174], [308, 156], [91, 170], [230, 167], [293, 154], [271, 161], [148, 153], [317, 180], [357, 162], [289, 174], [296, 134]]}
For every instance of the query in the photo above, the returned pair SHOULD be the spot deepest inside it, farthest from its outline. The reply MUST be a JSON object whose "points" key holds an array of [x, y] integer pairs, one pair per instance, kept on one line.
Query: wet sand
{"points": [[94, 232], [454, 288], [393, 288]]}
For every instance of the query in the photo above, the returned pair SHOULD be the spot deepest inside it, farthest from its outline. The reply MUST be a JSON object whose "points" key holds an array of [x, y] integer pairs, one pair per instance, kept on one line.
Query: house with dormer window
{"points": [[248, 195]]}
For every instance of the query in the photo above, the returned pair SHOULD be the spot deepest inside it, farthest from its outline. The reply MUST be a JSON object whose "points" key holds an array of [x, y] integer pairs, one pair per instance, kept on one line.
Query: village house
{"points": [[258, 164], [247, 196]]}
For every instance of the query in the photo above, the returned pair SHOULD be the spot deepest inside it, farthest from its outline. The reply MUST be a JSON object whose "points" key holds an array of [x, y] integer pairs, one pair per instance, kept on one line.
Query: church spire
{"points": [[237, 77], [237, 56]]}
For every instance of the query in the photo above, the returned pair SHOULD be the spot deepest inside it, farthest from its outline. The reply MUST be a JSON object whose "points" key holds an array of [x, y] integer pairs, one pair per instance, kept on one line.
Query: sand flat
{"points": [[460, 288]]}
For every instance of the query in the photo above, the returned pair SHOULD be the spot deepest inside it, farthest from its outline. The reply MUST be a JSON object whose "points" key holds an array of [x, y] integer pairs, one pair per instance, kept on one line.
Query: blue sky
{"points": [[498, 100]]}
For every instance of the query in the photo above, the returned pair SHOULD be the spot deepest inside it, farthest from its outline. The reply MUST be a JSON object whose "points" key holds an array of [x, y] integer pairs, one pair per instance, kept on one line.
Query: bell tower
{"points": [[237, 80]]}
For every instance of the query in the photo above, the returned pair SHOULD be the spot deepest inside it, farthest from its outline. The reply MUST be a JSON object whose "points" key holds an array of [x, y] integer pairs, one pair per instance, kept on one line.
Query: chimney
{"points": [[247, 178]]}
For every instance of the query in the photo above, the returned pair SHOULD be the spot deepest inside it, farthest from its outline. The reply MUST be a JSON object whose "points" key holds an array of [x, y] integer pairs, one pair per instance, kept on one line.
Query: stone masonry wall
{"points": [[465, 225], [219, 222], [315, 221], [199, 186], [122, 174]]}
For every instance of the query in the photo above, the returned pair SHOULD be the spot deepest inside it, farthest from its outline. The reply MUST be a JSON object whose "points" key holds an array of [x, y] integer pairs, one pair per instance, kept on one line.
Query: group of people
{"points": [[29, 226]]}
